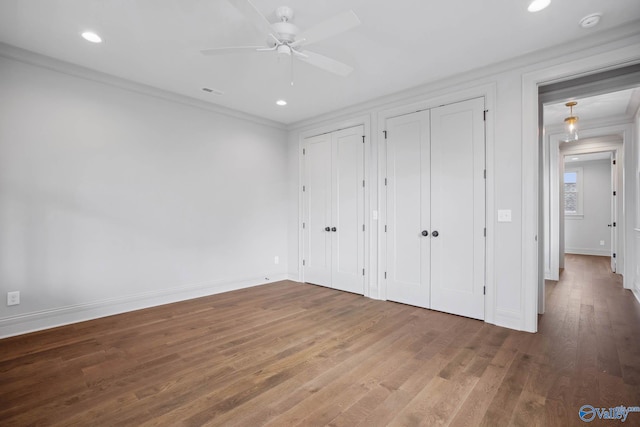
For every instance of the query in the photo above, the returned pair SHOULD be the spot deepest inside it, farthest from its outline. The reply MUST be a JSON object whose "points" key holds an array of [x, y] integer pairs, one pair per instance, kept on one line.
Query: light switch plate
{"points": [[504, 215]]}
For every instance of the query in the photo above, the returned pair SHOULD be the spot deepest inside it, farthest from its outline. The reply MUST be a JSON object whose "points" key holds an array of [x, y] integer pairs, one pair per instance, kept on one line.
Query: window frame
{"points": [[579, 214]]}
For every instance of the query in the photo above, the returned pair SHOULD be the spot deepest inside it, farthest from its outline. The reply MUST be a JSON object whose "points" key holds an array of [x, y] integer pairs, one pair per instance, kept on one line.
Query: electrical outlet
{"points": [[601, 242], [276, 259], [13, 298]]}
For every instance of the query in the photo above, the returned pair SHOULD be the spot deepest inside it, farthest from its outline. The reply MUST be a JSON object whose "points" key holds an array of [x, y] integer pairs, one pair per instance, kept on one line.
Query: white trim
{"points": [[586, 251], [573, 216], [365, 121], [597, 139], [587, 64], [467, 80], [45, 319], [619, 140], [578, 170], [38, 60], [488, 92]]}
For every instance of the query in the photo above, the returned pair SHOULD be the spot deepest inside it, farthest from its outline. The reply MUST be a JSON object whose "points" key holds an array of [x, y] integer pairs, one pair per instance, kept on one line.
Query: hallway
{"points": [[589, 341]]}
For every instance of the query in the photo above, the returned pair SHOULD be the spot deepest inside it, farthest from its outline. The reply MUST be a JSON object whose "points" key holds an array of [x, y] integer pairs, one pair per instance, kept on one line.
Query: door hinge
{"points": [[363, 271], [304, 188], [485, 232], [385, 274], [362, 227], [614, 255], [385, 181], [363, 139], [385, 134], [485, 174], [484, 290], [614, 223], [303, 225], [385, 228], [614, 162], [484, 115], [304, 151], [303, 262], [614, 193], [363, 183]]}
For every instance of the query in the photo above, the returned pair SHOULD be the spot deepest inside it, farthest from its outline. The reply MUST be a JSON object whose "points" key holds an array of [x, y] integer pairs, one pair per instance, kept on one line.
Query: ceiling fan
{"points": [[283, 37]]}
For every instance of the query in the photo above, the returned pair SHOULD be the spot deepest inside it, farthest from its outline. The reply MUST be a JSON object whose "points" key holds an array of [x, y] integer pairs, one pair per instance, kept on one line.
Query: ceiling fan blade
{"points": [[231, 49], [252, 13], [329, 28], [327, 64]]}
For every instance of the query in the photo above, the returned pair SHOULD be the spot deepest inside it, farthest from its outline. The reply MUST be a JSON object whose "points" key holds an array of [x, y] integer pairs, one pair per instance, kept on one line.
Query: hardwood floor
{"points": [[296, 354]]}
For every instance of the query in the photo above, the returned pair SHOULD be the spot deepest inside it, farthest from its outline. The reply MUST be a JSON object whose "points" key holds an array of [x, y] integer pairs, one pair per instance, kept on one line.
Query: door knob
{"points": [[334, 229], [425, 233], [435, 233], [327, 229]]}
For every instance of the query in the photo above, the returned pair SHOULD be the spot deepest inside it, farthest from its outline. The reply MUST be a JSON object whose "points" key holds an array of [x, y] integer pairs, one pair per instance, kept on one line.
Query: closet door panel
{"points": [[458, 208], [317, 210], [347, 210], [408, 209]]}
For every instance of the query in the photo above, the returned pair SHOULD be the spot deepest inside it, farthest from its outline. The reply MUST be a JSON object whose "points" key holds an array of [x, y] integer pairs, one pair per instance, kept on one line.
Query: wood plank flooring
{"points": [[295, 354]]}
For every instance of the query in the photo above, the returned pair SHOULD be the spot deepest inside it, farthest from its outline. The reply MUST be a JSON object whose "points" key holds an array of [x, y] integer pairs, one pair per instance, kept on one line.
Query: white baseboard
{"points": [[583, 251], [54, 317]]}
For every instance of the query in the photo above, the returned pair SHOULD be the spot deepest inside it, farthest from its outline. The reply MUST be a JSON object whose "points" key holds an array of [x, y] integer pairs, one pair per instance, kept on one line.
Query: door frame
{"points": [[488, 91], [532, 261], [364, 121], [594, 140]]}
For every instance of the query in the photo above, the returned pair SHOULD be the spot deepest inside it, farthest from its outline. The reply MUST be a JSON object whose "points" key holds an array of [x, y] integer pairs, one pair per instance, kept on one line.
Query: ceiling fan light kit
{"points": [[285, 38]]}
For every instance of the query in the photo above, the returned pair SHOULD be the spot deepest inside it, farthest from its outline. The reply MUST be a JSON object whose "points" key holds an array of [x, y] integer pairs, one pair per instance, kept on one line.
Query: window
{"points": [[573, 192]]}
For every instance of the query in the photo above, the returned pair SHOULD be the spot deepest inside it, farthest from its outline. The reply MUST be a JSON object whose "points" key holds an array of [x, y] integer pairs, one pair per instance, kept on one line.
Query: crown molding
{"points": [[625, 35], [43, 61]]}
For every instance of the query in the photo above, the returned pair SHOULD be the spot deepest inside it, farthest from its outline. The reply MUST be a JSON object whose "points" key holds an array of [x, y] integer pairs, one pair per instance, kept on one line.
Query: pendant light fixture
{"points": [[571, 123]]}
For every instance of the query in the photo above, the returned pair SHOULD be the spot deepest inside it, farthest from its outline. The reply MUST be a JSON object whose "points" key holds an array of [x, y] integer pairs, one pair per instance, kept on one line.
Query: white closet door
{"points": [[333, 201], [348, 210], [317, 210], [408, 256], [458, 208]]}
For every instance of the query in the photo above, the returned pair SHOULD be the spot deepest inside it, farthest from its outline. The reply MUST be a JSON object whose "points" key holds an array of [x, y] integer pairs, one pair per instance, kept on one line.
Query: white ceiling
{"points": [[612, 105], [400, 44]]}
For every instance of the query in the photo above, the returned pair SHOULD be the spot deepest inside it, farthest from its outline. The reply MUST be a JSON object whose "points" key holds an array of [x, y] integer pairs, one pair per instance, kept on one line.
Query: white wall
{"points": [[583, 233], [512, 248], [112, 200]]}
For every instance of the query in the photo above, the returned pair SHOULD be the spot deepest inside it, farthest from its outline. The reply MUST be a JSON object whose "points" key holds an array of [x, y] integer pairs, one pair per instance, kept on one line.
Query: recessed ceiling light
{"points": [[281, 102], [538, 5], [590, 20], [575, 158], [91, 37]]}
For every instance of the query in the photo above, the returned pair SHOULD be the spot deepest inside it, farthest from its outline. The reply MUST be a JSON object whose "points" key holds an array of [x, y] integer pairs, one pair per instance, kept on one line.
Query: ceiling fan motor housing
{"points": [[284, 13], [285, 31]]}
